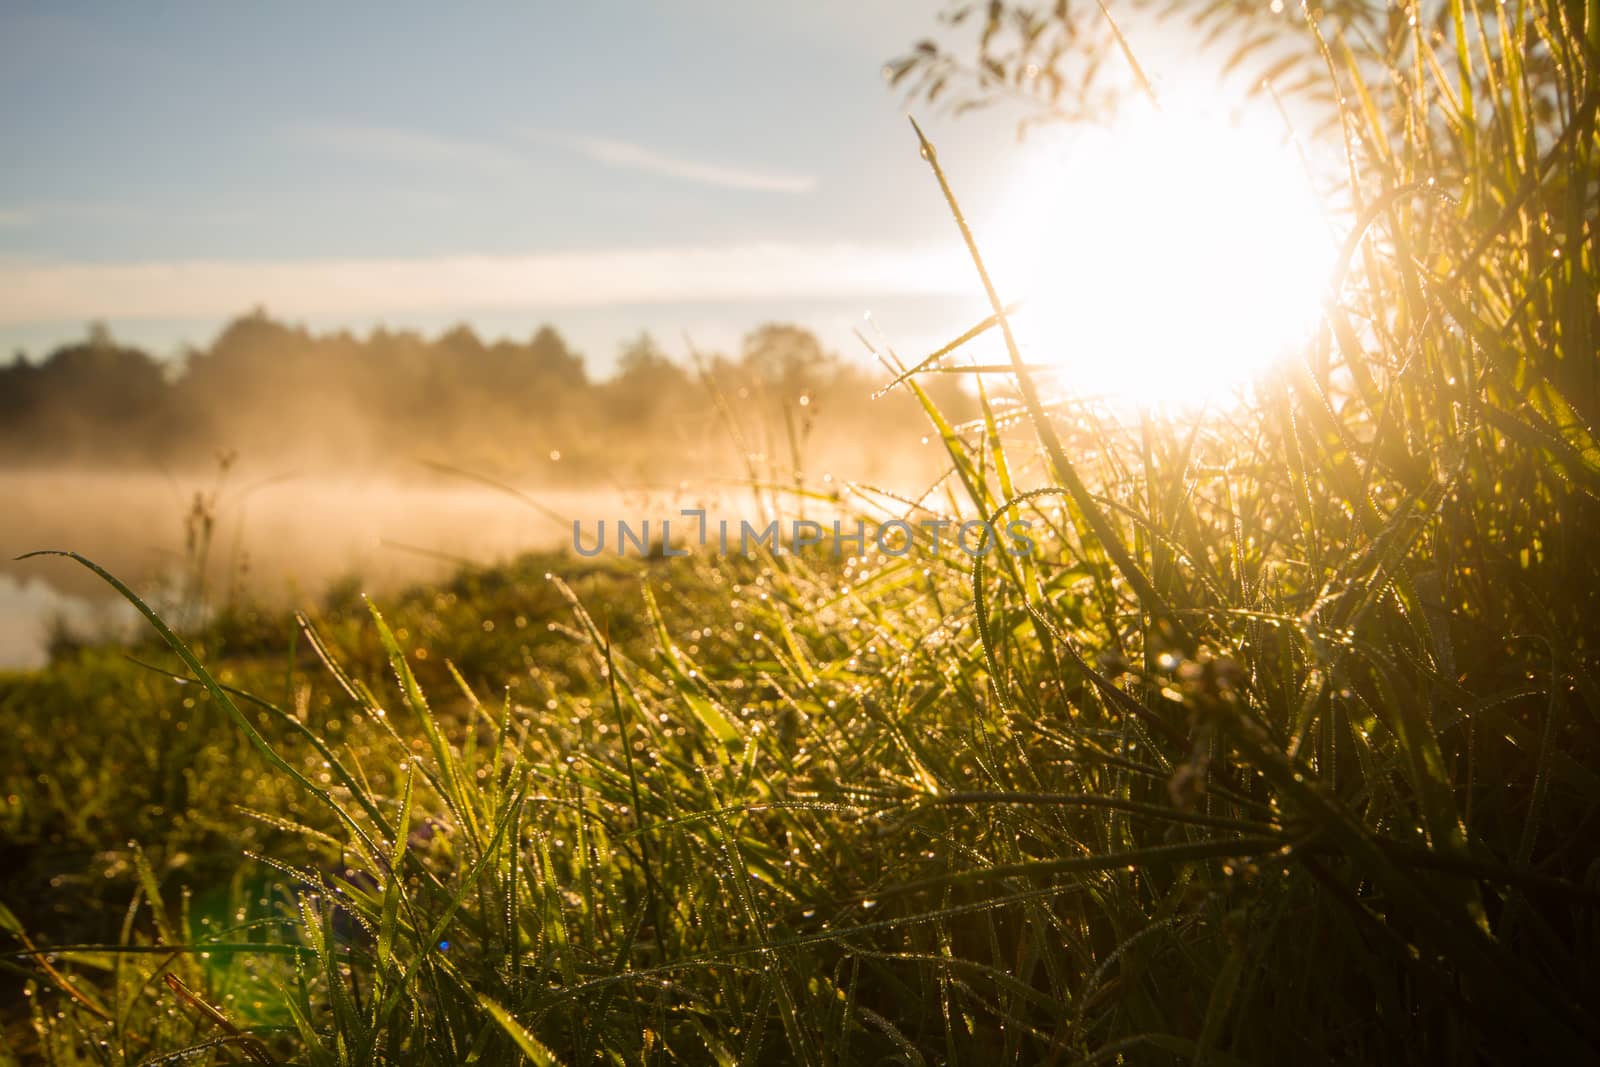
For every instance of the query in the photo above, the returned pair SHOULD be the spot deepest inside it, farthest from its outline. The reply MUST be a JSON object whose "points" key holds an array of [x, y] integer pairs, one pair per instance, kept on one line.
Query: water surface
{"points": [[276, 538]]}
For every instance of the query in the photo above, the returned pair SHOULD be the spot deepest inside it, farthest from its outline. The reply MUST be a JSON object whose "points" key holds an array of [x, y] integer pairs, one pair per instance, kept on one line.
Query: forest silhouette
{"points": [[530, 409]]}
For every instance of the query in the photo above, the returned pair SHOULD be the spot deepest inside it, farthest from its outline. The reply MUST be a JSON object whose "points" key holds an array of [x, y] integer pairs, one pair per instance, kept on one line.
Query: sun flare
{"points": [[1166, 260]]}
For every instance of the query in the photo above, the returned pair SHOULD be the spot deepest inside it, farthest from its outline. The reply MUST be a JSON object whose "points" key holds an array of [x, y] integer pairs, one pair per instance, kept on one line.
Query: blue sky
{"points": [[698, 165]]}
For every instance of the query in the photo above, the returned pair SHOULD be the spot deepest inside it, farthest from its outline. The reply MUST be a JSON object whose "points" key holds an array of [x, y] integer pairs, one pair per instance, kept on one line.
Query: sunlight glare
{"points": [[1166, 260]]}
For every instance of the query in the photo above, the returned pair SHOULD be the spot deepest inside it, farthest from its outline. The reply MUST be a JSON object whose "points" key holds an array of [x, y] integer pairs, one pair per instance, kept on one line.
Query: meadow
{"points": [[1282, 747]]}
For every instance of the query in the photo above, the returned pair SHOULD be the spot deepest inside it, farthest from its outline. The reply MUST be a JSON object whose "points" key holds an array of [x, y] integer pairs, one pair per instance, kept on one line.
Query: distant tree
{"points": [[541, 367], [16, 388], [554, 361], [643, 367], [254, 339], [460, 374], [642, 357], [648, 387], [459, 341], [96, 397], [102, 379], [787, 358]]}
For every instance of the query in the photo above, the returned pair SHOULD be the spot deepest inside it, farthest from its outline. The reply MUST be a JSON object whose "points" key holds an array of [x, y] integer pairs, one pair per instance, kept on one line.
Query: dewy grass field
{"points": [[1282, 747]]}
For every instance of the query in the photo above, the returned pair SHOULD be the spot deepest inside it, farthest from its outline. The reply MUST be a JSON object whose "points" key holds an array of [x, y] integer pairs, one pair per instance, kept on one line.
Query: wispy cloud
{"points": [[399, 145], [32, 292], [637, 157]]}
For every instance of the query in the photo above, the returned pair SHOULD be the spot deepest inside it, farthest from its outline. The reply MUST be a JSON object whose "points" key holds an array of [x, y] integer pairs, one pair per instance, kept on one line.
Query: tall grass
{"points": [[1283, 746]]}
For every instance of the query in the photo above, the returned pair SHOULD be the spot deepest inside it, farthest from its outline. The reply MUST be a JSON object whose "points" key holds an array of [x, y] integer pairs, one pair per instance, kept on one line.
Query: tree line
{"points": [[273, 391]]}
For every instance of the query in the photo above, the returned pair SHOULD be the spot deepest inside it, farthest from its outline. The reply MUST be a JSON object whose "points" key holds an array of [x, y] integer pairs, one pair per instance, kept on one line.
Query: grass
{"points": [[1283, 747]]}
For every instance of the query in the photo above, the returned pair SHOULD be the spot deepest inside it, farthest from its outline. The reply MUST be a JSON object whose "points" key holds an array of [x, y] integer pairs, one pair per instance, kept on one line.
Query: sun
{"points": [[1166, 260]]}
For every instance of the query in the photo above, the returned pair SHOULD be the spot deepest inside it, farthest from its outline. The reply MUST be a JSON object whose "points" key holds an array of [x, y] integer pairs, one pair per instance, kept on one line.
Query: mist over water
{"points": [[276, 460], [279, 541]]}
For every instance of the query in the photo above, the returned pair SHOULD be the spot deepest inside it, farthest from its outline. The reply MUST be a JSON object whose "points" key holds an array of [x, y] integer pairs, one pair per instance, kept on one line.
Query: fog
{"points": [[275, 460], [276, 541], [279, 540]]}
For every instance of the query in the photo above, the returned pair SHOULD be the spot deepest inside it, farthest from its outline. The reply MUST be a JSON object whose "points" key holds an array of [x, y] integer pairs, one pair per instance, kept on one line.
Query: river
{"points": [[277, 538]]}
